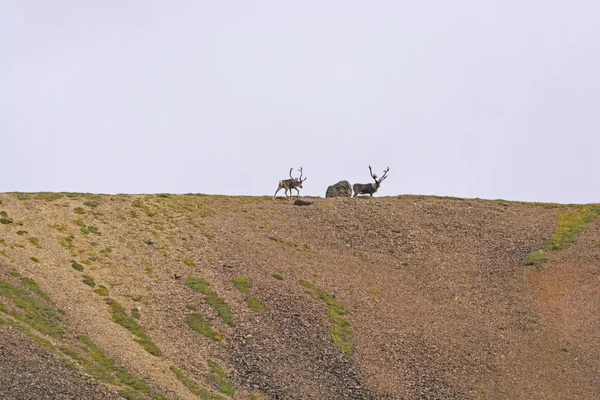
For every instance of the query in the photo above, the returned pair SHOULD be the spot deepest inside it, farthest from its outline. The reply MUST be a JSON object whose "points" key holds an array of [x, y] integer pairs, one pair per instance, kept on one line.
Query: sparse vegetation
{"points": [[38, 314], [256, 306], [220, 307], [22, 196], [341, 333], [120, 317], [4, 219], [537, 258], [221, 379], [193, 387], [49, 196], [101, 290], [244, 285], [90, 229], [76, 266], [198, 285], [570, 224], [79, 210], [135, 313], [278, 277], [34, 241], [22, 233], [199, 324], [89, 280], [91, 203], [189, 262], [35, 259], [67, 241]]}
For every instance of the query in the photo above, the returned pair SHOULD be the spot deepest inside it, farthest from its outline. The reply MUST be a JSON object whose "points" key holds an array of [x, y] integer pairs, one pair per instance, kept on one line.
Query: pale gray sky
{"points": [[490, 99]]}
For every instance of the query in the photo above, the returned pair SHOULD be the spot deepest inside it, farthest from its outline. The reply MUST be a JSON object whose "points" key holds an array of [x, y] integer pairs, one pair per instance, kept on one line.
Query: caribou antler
{"points": [[372, 174], [384, 174], [291, 169], [300, 178]]}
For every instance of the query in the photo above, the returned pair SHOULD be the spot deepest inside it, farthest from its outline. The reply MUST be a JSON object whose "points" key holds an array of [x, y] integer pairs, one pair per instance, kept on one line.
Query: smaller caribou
{"points": [[369, 188], [289, 184]]}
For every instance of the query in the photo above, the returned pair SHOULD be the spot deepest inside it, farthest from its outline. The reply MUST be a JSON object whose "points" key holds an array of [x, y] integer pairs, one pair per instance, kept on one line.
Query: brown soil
{"points": [[439, 304]]}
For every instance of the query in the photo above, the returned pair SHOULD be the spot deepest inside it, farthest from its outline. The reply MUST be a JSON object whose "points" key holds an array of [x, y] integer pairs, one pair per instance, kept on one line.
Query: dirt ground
{"points": [[433, 289]]}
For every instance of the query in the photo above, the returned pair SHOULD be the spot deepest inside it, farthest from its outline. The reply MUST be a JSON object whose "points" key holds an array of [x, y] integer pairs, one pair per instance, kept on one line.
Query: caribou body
{"points": [[369, 188], [289, 184]]}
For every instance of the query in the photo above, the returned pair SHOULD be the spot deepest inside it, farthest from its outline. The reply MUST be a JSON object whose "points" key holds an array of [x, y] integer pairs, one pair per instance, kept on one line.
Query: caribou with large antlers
{"points": [[289, 184], [369, 188]]}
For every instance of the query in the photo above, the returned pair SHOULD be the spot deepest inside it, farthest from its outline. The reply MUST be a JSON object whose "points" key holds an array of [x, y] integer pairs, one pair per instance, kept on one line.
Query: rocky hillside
{"points": [[216, 297]]}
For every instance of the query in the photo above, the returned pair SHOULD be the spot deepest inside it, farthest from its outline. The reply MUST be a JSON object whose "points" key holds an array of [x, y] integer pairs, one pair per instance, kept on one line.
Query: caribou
{"points": [[369, 188], [289, 184]]}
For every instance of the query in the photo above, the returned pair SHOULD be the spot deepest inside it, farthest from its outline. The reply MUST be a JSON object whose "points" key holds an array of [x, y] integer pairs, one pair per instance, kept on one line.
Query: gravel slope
{"points": [[438, 302]]}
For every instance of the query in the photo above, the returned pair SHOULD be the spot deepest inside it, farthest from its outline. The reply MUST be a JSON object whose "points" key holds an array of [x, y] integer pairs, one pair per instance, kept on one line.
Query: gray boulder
{"points": [[340, 189]]}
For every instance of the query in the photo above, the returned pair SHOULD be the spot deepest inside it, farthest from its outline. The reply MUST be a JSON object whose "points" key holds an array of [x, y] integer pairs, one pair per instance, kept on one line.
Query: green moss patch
{"points": [[120, 317], [199, 324], [221, 379], [341, 332], [101, 290], [49, 196], [244, 285], [194, 387], [279, 277], [569, 226], [36, 312], [537, 258], [76, 266], [256, 306], [89, 280], [198, 285]]}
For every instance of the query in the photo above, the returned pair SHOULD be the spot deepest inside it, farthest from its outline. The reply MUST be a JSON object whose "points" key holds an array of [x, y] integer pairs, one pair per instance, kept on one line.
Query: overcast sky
{"points": [[490, 99]]}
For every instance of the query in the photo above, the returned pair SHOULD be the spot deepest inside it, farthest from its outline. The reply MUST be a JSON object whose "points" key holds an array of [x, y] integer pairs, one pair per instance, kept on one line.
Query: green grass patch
{"points": [[256, 306], [89, 280], [135, 313], [279, 277], [218, 303], [244, 285], [102, 367], [91, 203], [341, 332], [34, 241], [76, 266], [86, 230], [36, 313], [120, 317], [67, 241], [569, 226], [189, 262], [194, 387], [101, 290], [4, 219], [22, 233], [48, 196], [33, 286], [198, 285], [279, 240], [537, 258], [106, 251], [200, 325], [221, 379], [35, 259], [79, 210], [22, 196]]}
